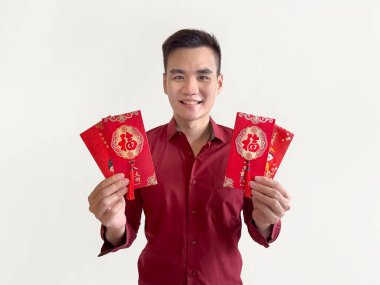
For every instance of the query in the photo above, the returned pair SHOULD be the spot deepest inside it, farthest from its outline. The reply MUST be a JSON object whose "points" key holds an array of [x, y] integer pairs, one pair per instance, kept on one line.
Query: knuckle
{"points": [[104, 204], [275, 183], [120, 184], [275, 204], [276, 195], [113, 211]]}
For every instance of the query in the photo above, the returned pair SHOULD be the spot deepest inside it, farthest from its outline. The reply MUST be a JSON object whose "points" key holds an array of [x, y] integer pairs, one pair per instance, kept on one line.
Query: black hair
{"points": [[191, 38]]}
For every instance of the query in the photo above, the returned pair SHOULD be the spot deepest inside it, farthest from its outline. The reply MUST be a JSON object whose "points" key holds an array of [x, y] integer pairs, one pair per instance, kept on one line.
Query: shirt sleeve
{"points": [[253, 231], [133, 211]]}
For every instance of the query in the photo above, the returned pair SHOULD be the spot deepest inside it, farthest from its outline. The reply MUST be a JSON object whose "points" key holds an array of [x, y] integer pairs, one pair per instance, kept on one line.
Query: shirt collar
{"points": [[216, 131]]}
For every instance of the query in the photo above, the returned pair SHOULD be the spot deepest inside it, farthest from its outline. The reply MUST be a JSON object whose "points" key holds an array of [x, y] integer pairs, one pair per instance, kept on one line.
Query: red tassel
{"points": [[131, 186], [247, 180]]}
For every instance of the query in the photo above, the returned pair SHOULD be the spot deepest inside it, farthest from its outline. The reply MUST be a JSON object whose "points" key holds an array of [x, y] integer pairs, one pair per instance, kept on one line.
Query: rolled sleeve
{"points": [[252, 229]]}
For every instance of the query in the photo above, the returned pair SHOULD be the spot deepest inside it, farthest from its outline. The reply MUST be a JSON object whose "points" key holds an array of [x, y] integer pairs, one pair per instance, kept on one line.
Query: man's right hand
{"points": [[107, 203]]}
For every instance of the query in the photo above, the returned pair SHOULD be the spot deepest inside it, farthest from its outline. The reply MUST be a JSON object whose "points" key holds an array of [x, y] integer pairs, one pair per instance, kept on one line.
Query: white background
{"points": [[313, 65]]}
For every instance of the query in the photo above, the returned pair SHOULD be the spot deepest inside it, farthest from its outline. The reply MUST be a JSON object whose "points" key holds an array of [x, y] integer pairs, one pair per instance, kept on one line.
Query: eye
{"points": [[178, 77], [203, 78]]}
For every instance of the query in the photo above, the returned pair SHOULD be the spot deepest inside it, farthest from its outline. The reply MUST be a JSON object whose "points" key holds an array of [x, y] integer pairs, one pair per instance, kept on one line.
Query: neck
{"points": [[197, 132]]}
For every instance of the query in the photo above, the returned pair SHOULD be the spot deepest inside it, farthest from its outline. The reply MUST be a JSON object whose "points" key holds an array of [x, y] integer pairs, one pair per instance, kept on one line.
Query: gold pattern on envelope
{"points": [[127, 142], [251, 142], [255, 119], [99, 125], [152, 180], [228, 182], [121, 118]]}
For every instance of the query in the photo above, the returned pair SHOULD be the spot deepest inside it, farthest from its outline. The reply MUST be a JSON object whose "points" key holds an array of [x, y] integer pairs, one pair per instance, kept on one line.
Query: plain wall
{"points": [[312, 65]]}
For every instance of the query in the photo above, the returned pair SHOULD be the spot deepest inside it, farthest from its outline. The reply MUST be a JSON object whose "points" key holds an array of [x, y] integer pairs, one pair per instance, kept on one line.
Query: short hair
{"points": [[191, 38]]}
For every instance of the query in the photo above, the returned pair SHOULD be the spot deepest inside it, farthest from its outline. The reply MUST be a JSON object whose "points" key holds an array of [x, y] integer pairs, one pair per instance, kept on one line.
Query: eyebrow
{"points": [[200, 71], [176, 71], [204, 71]]}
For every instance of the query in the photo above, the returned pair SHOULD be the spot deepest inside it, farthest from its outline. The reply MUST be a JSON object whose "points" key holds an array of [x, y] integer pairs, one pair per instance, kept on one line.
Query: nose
{"points": [[190, 86]]}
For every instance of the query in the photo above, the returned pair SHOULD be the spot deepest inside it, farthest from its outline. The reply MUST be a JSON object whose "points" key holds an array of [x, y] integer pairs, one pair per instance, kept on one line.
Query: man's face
{"points": [[191, 83]]}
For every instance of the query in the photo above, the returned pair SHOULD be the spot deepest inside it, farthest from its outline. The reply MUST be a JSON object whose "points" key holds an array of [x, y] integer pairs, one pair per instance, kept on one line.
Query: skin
{"points": [[107, 204], [270, 203], [191, 84]]}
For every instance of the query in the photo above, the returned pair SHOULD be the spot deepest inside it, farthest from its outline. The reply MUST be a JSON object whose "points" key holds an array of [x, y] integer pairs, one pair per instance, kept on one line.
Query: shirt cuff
{"points": [[107, 247], [258, 237]]}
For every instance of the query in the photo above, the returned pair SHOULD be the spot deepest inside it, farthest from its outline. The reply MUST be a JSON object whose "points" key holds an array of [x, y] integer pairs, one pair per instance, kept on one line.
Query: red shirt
{"points": [[192, 223]]}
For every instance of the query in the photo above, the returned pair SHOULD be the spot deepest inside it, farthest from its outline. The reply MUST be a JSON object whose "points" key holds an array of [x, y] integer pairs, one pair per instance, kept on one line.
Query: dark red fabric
{"points": [[192, 223]]}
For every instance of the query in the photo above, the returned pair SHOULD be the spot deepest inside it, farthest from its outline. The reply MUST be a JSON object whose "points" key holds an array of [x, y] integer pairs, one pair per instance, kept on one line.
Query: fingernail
{"points": [[119, 175]]}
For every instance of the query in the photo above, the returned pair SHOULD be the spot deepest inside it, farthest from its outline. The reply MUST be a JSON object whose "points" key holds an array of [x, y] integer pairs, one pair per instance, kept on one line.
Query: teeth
{"points": [[190, 102]]}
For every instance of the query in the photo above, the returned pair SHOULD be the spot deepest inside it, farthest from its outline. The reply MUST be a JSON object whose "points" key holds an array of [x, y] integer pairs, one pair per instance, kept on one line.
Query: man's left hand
{"points": [[270, 202]]}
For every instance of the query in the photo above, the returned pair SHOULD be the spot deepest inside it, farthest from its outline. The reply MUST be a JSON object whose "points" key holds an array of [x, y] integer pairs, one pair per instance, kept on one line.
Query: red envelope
{"points": [[249, 150], [98, 147], [129, 149], [280, 142]]}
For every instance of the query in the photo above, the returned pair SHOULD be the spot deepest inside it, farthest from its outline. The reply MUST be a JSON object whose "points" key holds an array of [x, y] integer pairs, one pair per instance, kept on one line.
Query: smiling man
{"points": [[192, 223]]}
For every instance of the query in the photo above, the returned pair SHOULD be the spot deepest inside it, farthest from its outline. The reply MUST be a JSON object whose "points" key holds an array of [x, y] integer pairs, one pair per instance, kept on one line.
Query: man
{"points": [[192, 223]]}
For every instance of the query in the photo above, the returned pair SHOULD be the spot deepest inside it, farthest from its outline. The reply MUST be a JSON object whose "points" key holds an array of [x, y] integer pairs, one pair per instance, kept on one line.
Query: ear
{"points": [[220, 83], [164, 82]]}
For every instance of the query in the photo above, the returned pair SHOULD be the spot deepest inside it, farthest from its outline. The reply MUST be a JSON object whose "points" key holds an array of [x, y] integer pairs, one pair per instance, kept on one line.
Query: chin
{"points": [[191, 117]]}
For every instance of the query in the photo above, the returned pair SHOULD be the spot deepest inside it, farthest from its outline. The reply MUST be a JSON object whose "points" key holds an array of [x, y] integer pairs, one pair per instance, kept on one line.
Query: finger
{"points": [[271, 203], [272, 184], [106, 182], [270, 192], [264, 215], [109, 190], [110, 201], [120, 204]]}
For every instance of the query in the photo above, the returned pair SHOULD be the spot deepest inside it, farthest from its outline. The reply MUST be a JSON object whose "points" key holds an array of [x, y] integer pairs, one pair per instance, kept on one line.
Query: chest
{"points": [[187, 182]]}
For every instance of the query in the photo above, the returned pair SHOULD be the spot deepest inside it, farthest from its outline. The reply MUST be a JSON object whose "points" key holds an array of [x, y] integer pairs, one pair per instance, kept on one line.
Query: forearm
{"points": [[115, 236]]}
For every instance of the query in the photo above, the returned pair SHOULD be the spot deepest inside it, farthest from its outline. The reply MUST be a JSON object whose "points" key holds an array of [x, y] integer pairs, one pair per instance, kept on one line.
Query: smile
{"points": [[190, 102]]}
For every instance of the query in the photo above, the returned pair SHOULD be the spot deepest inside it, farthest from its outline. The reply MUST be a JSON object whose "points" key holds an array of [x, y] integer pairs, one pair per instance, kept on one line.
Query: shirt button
{"points": [[192, 273], [194, 242], [194, 212], [194, 181]]}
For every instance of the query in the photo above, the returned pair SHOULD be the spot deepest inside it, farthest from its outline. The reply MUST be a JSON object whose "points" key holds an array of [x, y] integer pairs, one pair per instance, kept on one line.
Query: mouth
{"points": [[190, 102]]}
